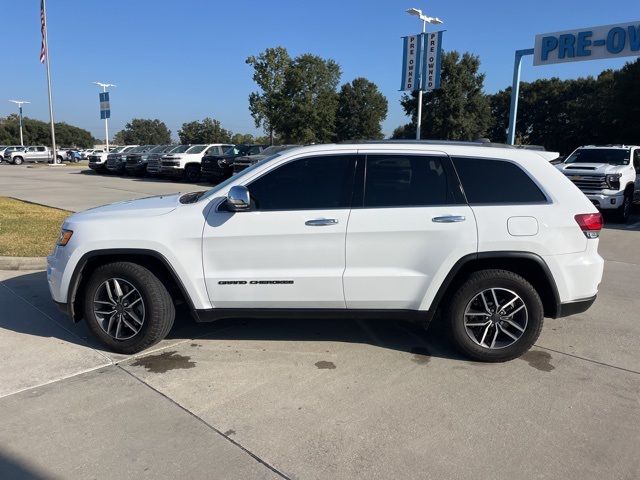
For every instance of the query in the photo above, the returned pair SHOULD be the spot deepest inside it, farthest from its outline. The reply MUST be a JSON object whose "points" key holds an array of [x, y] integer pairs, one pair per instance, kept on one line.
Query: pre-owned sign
{"points": [[608, 41]]}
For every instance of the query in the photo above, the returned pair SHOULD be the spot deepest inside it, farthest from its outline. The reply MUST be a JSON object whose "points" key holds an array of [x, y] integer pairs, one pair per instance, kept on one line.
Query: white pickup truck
{"points": [[34, 154], [608, 175]]}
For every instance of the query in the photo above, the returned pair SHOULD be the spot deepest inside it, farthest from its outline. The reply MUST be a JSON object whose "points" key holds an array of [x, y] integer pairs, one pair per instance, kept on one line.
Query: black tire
{"points": [[624, 211], [159, 307], [192, 173], [17, 160], [497, 279]]}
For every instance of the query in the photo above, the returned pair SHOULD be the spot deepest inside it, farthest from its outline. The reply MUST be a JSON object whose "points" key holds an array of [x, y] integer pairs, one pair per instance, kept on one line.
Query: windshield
{"points": [[196, 149], [180, 149], [116, 150], [275, 149], [612, 156], [244, 172], [137, 149], [158, 149]]}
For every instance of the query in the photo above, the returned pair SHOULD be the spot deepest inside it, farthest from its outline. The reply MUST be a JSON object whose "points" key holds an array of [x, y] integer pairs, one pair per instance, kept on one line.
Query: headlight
{"points": [[65, 236], [613, 181]]}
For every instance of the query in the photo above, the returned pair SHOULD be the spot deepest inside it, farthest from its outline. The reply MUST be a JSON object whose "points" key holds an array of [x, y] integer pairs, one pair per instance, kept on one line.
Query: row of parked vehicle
{"points": [[19, 154], [214, 162]]}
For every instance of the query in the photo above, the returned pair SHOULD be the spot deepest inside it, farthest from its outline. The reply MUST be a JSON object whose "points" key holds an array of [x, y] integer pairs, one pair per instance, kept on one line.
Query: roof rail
{"points": [[477, 143]]}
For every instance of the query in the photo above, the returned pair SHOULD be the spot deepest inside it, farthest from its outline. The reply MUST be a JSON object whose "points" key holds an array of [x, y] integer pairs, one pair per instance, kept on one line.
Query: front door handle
{"points": [[321, 222], [449, 219]]}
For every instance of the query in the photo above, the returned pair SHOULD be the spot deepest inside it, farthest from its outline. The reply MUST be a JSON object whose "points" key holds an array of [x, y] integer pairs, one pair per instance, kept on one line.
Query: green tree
{"points": [[36, 132], [143, 131], [242, 138], [208, 130], [361, 110], [560, 114], [308, 103], [269, 69], [459, 110]]}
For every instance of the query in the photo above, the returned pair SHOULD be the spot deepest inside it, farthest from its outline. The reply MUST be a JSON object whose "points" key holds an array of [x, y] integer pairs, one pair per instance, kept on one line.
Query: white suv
{"points": [[187, 165], [608, 175], [493, 239]]}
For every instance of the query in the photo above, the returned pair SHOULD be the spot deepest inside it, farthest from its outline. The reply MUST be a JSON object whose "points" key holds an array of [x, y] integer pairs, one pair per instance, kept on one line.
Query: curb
{"points": [[23, 263]]}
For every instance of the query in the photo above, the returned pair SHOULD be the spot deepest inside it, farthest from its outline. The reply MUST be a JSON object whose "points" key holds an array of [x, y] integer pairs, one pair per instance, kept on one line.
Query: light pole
{"points": [[106, 120], [19, 103], [416, 12]]}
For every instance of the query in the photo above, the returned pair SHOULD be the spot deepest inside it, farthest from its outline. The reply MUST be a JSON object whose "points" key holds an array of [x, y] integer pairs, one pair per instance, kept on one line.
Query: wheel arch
{"points": [[150, 259], [526, 264]]}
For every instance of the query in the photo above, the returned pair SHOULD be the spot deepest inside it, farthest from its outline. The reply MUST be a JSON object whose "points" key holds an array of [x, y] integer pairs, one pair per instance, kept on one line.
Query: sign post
{"points": [[594, 43]]}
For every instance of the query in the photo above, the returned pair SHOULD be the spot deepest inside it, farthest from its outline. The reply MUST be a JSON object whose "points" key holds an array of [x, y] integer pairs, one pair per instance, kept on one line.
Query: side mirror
{"points": [[238, 198]]}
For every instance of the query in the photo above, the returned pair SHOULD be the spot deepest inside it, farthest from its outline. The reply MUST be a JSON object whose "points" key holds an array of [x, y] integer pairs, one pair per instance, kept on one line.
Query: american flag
{"points": [[43, 29]]}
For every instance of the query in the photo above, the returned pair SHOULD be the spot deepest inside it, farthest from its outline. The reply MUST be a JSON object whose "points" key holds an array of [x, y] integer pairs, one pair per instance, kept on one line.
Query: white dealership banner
{"points": [[432, 64], [411, 60]]}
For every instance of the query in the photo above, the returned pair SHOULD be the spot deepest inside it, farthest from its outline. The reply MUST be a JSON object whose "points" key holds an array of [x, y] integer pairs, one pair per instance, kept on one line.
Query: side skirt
{"points": [[211, 315]]}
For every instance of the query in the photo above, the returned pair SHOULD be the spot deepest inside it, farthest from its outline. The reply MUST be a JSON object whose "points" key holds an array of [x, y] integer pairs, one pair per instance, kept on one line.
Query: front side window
{"points": [[496, 182], [407, 181], [312, 183]]}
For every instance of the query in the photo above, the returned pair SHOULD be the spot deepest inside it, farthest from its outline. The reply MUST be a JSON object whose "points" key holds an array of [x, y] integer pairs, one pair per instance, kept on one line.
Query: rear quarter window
{"points": [[489, 181]]}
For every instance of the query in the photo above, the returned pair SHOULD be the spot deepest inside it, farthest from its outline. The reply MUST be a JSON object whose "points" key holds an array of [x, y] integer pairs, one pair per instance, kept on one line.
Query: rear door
{"points": [[406, 230]]}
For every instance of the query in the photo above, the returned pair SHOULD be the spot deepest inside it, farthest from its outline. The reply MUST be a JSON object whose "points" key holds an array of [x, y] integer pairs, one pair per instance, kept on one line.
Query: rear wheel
{"points": [[127, 307], [495, 316]]}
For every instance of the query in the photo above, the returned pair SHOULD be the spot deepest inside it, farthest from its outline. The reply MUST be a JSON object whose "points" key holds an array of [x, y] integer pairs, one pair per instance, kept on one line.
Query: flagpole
{"points": [[46, 47]]}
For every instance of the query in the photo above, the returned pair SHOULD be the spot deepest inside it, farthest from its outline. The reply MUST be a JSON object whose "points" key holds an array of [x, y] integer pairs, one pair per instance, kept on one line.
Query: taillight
{"points": [[590, 224]]}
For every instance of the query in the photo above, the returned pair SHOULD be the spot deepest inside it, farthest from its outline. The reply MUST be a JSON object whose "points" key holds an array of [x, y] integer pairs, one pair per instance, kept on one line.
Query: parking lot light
{"points": [[416, 12], [19, 103]]}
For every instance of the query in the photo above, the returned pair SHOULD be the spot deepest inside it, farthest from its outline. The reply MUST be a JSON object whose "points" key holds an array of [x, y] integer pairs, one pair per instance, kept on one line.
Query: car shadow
{"points": [[390, 334]]}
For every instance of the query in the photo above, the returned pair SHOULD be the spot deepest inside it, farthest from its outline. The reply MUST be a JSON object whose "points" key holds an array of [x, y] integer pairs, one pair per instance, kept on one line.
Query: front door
{"points": [[410, 228], [288, 251]]}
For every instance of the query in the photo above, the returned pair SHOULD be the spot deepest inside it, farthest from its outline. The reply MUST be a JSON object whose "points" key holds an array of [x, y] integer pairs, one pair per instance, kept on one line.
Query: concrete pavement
{"points": [[314, 399]]}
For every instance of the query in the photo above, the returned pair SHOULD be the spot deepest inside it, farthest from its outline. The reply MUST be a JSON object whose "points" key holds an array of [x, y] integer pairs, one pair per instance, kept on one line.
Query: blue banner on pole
{"points": [[432, 64], [411, 62], [105, 108]]}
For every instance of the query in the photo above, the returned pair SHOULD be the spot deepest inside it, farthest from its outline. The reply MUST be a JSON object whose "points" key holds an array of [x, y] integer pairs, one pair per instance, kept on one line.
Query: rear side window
{"points": [[496, 181], [407, 181]]}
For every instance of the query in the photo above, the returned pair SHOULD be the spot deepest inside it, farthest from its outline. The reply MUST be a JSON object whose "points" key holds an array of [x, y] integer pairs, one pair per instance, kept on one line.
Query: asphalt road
{"points": [[311, 399]]}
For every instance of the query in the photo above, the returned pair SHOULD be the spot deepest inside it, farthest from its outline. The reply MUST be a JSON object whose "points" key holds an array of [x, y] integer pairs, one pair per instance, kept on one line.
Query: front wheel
{"points": [[495, 316], [17, 160], [192, 173], [127, 307], [624, 211]]}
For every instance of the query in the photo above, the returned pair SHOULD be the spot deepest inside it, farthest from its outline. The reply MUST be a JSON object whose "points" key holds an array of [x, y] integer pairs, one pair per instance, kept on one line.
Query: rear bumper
{"points": [[574, 308]]}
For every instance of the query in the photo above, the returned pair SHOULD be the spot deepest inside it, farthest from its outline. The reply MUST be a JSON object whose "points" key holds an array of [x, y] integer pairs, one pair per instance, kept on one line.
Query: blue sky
{"points": [[184, 60]]}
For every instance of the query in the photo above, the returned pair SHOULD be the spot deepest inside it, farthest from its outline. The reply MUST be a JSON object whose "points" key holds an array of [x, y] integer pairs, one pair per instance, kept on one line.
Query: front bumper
{"points": [[136, 168], [97, 166], [168, 171], [606, 202]]}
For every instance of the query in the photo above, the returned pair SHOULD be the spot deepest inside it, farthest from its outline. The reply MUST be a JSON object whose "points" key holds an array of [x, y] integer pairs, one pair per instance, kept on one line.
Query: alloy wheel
{"points": [[496, 318], [119, 308]]}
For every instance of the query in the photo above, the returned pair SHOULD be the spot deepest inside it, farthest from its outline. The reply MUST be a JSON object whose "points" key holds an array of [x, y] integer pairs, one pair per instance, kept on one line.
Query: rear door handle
{"points": [[321, 222], [449, 219]]}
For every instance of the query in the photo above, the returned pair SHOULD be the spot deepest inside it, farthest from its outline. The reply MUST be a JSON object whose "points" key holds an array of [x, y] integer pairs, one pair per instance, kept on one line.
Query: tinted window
{"points": [[496, 181], [400, 180], [309, 183]]}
